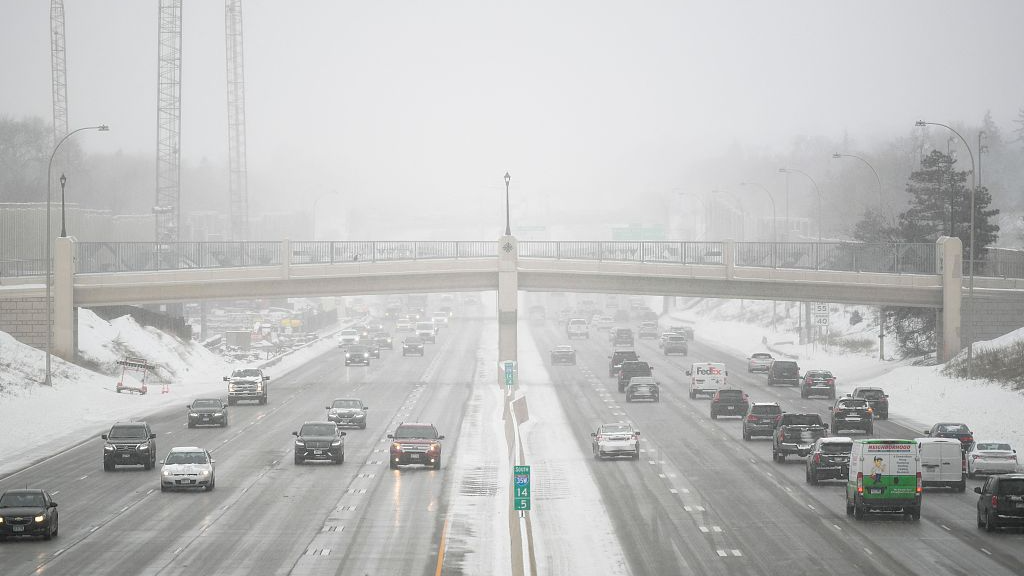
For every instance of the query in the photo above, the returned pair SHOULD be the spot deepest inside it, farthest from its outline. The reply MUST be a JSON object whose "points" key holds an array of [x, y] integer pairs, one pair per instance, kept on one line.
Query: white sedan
{"points": [[991, 458], [618, 439], [187, 467]]}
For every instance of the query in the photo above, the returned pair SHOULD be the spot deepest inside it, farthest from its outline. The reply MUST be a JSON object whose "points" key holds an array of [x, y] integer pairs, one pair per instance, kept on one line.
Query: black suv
{"points": [[319, 441], [617, 358], [795, 433], [207, 412], [849, 413], [412, 345], [623, 337], [760, 421], [631, 369], [129, 443], [829, 459], [818, 383], [783, 372], [357, 355], [1001, 502], [729, 402], [877, 399]]}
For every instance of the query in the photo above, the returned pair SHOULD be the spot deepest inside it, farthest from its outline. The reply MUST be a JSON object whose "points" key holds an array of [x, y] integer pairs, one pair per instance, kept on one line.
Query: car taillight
{"points": [[870, 410], [817, 457], [716, 397], [967, 439], [751, 418], [860, 481], [995, 501], [975, 456], [963, 464], [600, 438], [808, 381], [920, 486], [831, 381]]}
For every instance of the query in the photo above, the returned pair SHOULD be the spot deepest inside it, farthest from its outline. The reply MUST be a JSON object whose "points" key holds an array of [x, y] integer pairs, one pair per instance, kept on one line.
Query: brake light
{"points": [[831, 381], [860, 481], [716, 397], [817, 457], [600, 438], [967, 439], [870, 410], [995, 501], [751, 418], [920, 486], [808, 380]]}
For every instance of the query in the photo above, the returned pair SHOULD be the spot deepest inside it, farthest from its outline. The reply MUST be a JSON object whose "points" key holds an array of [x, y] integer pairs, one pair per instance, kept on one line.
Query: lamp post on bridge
{"points": [[816, 191], [970, 250], [49, 258], [508, 222], [63, 224]]}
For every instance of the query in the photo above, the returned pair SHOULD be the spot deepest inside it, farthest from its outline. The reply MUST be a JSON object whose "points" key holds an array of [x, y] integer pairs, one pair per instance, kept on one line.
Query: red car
{"points": [[415, 443], [957, 430]]}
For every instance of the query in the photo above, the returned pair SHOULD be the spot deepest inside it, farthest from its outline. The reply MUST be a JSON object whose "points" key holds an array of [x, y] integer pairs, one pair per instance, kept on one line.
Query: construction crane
{"points": [[237, 182], [58, 70], [168, 155]]}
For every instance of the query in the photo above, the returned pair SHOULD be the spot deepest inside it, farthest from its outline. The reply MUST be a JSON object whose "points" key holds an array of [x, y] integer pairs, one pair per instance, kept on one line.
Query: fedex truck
{"points": [[706, 378]]}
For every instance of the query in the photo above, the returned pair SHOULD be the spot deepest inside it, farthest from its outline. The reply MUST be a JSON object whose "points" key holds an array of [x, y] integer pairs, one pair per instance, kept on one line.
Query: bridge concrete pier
{"points": [[950, 266], [64, 333], [508, 298]]}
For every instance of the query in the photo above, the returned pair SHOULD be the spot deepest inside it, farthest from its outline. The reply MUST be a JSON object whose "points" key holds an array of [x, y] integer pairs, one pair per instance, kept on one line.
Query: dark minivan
{"points": [[784, 372], [1001, 502]]}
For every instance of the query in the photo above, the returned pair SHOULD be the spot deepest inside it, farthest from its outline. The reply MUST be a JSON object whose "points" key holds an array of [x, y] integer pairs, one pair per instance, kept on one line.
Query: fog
{"points": [[402, 117]]}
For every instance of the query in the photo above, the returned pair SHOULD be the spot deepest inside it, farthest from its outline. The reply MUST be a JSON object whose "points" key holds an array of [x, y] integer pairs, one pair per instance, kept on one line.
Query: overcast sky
{"points": [[429, 103]]}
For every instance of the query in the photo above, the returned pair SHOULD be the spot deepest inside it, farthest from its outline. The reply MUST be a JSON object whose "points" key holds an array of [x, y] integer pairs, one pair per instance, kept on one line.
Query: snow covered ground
{"points": [[43, 420], [919, 396]]}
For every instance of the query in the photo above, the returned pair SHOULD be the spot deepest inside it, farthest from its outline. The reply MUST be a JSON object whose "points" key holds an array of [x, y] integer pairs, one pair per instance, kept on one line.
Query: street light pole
{"points": [[970, 249], [881, 200], [63, 225], [816, 191], [49, 259], [508, 222]]}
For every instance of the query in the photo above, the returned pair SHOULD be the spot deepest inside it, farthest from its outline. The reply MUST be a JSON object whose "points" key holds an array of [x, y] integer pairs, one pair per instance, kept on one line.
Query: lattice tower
{"points": [[237, 179], [58, 70], [168, 155]]}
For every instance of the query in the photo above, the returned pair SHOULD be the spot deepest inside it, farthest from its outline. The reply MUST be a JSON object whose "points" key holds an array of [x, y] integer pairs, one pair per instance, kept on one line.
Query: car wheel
{"points": [[832, 395], [231, 401], [362, 426], [148, 465], [746, 436], [990, 522], [108, 467], [858, 510], [437, 465], [849, 507], [393, 465], [56, 525], [980, 523], [341, 459], [770, 383], [163, 488], [714, 416], [971, 474], [803, 393], [629, 398], [961, 486], [49, 533], [211, 485], [915, 514], [693, 395], [191, 425], [225, 424], [869, 430]]}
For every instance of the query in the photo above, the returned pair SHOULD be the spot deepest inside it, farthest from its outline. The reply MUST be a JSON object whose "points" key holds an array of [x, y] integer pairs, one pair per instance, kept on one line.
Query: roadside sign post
{"points": [[521, 485], [509, 372], [821, 318]]}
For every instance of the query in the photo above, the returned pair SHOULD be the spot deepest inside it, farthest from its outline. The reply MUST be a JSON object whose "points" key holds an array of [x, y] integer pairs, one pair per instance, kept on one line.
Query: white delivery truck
{"points": [[942, 463], [706, 378], [885, 476]]}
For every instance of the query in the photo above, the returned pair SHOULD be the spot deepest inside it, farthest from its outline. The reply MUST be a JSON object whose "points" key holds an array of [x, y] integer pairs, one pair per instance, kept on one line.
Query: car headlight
{"points": [[347, 355], [165, 472], [192, 415], [336, 443], [396, 447], [332, 412], [218, 414], [435, 447], [366, 355], [1, 519], [204, 472], [300, 443], [143, 446], [41, 518], [109, 447]]}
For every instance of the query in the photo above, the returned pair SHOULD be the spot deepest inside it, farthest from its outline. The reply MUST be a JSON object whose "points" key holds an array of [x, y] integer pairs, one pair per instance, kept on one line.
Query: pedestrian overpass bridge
{"points": [[916, 275]]}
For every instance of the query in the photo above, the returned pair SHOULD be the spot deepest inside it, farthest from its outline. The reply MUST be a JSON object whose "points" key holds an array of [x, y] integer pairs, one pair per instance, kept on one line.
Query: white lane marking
{"points": [[673, 490], [788, 489], [651, 462], [177, 551], [722, 553], [985, 551], [736, 553], [84, 477], [836, 526], [811, 507], [325, 552], [93, 529], [716, 528], [684, 490], [704, 529], [125, 508], [659, 476], [870, 553], [944, 527], [770, 475], [59, 552]]}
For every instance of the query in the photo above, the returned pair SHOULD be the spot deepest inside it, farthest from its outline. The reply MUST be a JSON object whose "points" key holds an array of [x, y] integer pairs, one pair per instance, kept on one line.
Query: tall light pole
{"points": [[881, 205], [739, 205], [816, 191], [508, 222], [49, 259], [775, 219], [881, 200], [970, 250]]}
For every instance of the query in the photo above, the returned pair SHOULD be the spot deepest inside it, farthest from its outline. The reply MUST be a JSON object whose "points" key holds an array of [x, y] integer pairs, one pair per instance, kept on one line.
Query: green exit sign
{"points": [[521, 485], [508, 370]]}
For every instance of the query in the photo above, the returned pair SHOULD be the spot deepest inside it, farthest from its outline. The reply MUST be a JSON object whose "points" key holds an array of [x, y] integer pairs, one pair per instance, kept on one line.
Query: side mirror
{"points": [[637, 433], [104, 436], [189, 406], [226, 378], [927, 433], [366, 407], [688, 373], [343, 433], [594, 434], [152, 435], [392, 436], [327, 407], [266, 378], [295, 433], [977, 489], [53, 504], [441, 437], [824, 426], [212, 461]]}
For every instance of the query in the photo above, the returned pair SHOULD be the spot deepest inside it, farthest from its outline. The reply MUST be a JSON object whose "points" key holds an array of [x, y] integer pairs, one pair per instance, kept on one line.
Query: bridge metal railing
{"points": [[894, 258]]}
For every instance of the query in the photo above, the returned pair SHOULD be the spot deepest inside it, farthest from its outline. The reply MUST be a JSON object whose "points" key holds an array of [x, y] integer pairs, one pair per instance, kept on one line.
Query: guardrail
{"points": [[892, 258]]}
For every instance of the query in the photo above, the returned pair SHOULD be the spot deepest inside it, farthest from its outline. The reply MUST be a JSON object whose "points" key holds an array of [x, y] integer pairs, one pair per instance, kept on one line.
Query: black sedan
{"points": [[319, 441], [27, 512], [412, 346], [357, 355], [563, 355], [207, 412]]}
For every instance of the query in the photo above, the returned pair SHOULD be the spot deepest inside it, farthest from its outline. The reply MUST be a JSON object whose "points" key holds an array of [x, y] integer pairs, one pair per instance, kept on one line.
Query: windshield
{"points": [[871, 394], [186, 458], [245, 373], [954, 429], [836, 447], [318, 430], [21, 500], [616, 429], [802, 420], [416, 432], [347, 404], [992, 446], [128, 432], [1011, 487], [207, 404], [766, 410]]}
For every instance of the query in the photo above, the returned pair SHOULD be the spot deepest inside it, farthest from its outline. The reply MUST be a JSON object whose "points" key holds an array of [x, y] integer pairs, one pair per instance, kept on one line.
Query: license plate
{"points": [[318, 452], [17, 528], [414, 456], [876, 490], [126, 455], [730, 407], [1019, 505]]}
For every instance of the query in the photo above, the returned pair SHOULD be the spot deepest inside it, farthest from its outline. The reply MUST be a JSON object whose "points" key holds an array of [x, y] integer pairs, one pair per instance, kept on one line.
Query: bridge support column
{"points": [[64, 299], [950, 266], [508, 298]]}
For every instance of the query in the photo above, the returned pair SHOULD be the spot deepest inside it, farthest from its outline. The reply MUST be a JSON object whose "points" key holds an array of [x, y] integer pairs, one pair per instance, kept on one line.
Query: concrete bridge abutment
{"points": [[508, 298], [950, 267]]}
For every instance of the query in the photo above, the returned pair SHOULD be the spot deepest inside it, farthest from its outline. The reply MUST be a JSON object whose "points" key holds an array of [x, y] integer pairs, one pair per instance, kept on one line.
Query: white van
{"points": [[942, 463], [706, 378], [885, 476]]}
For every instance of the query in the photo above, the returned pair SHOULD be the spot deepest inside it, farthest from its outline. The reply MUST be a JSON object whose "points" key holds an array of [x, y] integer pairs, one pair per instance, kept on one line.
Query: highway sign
{"points": [[508, 368], [521, 485], [821, 309], [821, 320]]}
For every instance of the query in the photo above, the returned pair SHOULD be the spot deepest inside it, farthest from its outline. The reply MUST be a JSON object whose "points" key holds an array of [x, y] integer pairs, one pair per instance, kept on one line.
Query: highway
{"points": [[699, 501]]}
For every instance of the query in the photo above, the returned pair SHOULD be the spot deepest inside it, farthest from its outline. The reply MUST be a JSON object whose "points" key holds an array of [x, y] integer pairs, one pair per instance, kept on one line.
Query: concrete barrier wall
{"points": [[25, 320], [993, 316]]}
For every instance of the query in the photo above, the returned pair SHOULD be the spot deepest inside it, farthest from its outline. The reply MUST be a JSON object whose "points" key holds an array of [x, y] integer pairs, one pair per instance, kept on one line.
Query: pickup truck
{"points": [[247, 384], [631, 369], [795, 433]]}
